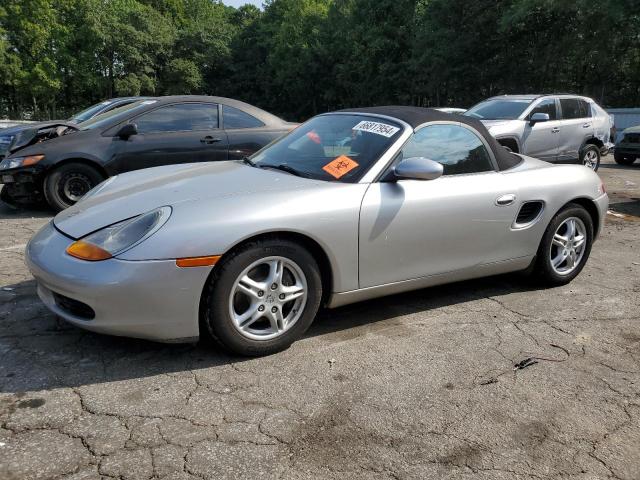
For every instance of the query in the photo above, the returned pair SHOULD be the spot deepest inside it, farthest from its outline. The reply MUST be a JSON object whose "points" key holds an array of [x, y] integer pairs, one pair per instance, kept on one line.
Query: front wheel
{"points": [[623, 159], [68, 183], [590, 157], [565, 246], [262, 297]]}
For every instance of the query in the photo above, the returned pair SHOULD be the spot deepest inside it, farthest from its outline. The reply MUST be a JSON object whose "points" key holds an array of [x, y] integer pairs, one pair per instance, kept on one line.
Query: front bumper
{"points": [[23, 184], [626, 150], [602, 204], [153, 299]]}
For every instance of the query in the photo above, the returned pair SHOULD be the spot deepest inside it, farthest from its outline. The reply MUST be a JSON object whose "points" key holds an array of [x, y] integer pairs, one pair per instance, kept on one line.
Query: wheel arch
{"points": [[85, 161], [312, 245], [591, 208], [592, 141]]}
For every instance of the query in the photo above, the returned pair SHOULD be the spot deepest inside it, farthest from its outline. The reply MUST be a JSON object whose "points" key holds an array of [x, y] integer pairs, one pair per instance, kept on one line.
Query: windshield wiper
{"points": [[285, 168], [248, 161]]}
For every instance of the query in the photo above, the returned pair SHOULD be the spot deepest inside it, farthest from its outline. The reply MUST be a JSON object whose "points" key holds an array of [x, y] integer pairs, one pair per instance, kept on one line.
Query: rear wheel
{"points": [[262, 297], [623, 159], [590, 157], [565, 246], [68, 183]]}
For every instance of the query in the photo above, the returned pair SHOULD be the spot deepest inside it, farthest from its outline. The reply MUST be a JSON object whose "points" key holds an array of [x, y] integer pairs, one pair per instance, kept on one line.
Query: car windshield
{"points": [[337, 148], [89, 112], [115, 115], [499, 109]]}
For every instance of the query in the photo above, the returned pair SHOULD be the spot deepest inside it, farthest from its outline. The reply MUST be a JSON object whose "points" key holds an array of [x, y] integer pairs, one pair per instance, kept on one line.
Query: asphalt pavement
{"points": [[414, 386]]}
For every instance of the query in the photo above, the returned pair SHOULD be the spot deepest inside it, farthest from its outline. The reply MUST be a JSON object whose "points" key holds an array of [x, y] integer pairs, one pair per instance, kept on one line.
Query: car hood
{"points": [[138, 192], [635, 129], [496, 123], [34, 133]]}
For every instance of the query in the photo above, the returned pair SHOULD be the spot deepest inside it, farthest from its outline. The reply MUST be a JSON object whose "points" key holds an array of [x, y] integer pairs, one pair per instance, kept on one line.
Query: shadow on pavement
{"points": [[8, 211], [38, 351]]}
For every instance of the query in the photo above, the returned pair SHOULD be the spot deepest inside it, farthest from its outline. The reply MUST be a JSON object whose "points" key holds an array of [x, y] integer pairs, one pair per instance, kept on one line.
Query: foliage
{"points": [[300, 57]]}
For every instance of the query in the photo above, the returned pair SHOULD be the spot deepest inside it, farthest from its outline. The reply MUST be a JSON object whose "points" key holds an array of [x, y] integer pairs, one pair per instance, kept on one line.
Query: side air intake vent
{"points": [[529, 212]]}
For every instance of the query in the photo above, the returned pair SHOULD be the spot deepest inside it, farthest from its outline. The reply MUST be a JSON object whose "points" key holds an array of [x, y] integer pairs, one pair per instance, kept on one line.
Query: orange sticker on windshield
{"points": [[340, 166]]}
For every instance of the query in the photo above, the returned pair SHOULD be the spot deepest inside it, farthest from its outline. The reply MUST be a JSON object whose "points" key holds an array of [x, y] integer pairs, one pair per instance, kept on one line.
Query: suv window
{"points": [[179, 118], [458, 149], [547, 106], [574, 108], [234, 118]]}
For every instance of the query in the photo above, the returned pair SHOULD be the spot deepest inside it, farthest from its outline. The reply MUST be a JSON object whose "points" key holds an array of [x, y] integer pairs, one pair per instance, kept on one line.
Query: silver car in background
{"points": [[350, 205], [555, 128]]}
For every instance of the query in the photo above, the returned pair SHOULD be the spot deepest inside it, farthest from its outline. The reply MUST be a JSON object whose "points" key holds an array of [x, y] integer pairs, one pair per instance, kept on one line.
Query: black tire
{"points": [[623, 159], [543, 271], [215, 314], [590, 150], [65, 185]]}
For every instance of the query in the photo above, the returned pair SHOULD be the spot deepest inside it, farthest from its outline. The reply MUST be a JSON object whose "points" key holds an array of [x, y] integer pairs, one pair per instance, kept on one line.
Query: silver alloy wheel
{"points": [[268, 298], [590, 159], [75, 186], [567, 246]]}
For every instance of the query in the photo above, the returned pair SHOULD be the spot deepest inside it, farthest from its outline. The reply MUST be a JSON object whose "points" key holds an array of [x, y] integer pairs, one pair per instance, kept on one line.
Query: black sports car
{"points": [[62, 161], [7, 134]]}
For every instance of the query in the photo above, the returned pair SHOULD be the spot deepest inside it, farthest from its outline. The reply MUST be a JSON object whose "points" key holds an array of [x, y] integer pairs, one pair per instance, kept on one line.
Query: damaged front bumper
{"points": [[22, 185]]}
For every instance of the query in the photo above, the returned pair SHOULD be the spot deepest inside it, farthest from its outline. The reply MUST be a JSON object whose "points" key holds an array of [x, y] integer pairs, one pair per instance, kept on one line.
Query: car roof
{"points": [[534, 96], [416, 116], [260, 114]]}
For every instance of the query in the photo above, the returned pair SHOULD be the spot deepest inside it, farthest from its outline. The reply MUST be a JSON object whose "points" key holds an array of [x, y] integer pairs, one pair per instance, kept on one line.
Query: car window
{"points": [[179, 118], [499, 109], [90, 112], [116, 115], [458, 149], [585, 108], [574, 108], [337, 148], [547, 106], [235, 118], [116, 105]]}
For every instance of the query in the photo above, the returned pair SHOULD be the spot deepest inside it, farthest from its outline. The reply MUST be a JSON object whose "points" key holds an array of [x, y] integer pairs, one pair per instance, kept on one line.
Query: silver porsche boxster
{"points": [[350, 205]]}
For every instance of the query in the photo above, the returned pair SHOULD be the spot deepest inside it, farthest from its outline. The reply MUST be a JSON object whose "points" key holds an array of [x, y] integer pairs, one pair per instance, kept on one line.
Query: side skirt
{"points": [[484, 270]]}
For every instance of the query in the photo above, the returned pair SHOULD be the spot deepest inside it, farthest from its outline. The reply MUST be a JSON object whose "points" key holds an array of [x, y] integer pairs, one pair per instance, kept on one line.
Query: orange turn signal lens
{"points": [[87, 251], [31, 160], [197, 261]]}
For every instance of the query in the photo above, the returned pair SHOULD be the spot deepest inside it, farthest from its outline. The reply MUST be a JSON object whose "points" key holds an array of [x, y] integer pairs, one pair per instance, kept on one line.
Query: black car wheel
{"points": [[623, 159], [69, 183], [262, 297], [565, 246], [590, 157]]}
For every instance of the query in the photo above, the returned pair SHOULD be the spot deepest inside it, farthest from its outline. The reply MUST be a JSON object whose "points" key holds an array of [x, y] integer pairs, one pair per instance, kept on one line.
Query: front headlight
{"points": [[16, 162], [119, 237]]}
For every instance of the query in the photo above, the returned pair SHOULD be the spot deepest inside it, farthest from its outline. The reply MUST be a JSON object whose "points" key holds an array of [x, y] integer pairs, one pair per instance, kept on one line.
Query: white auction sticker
{"points": [[378, 128]]}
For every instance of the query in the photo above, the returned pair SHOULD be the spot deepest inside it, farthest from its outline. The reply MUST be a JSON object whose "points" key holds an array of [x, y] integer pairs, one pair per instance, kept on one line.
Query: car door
{"points": [[246, 133], [416, 228], [176, 133], [575, 127], [541, 140]]}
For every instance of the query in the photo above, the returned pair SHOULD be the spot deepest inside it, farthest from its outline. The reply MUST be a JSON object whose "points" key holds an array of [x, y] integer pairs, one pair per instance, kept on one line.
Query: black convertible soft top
{"points": [[416, 116]]}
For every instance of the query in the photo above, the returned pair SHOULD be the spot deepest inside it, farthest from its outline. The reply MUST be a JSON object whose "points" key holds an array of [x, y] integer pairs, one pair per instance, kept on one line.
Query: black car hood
{"points": [[27, 136]]}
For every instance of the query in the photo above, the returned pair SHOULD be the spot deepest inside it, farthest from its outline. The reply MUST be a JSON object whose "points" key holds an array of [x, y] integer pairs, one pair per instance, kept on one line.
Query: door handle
{"points": [[505, 200], [586, 125], [555, 130], [209, 139]]}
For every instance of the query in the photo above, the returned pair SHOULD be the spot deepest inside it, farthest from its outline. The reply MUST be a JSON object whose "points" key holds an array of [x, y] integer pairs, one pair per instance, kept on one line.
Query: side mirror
{"points": [[419, 168], [539, 117], [127, 130]]}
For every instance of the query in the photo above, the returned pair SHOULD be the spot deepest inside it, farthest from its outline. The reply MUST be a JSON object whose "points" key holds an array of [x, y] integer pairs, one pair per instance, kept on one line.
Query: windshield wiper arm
{"points": [[285, 168], [248, 161]]}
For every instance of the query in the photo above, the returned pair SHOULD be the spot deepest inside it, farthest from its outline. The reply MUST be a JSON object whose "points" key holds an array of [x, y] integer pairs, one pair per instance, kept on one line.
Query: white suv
{"points": [[556, 128]]}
